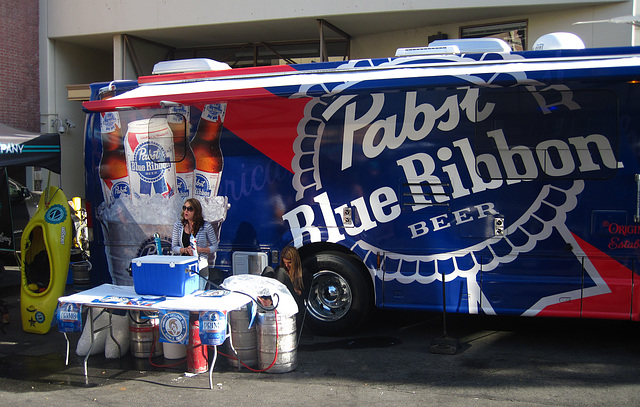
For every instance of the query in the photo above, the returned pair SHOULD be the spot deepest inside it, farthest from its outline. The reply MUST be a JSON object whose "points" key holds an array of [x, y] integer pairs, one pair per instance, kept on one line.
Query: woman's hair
{"points": [[198, 219], [295, 272]]}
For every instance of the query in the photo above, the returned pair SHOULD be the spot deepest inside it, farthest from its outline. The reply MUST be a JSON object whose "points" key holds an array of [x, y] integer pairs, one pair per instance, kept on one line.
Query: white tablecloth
{"points": [[125, 297]]}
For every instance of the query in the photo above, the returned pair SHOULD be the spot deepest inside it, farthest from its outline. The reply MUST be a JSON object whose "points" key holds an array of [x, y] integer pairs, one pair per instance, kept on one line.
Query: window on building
{"points": [[332, 44], [514, 33]]}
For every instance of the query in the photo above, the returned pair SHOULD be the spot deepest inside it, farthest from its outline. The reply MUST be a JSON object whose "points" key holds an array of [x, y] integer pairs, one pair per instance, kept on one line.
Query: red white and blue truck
{"points": [[510, 178]]}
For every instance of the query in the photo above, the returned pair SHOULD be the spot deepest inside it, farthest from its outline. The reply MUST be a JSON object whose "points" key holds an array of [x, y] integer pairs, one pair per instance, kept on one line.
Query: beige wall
{"points": [[69, 64], [117, 16], [594, 35]]}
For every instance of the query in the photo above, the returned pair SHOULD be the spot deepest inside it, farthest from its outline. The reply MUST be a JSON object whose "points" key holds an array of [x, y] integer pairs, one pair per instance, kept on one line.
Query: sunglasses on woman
{"points": [[187, 208]]}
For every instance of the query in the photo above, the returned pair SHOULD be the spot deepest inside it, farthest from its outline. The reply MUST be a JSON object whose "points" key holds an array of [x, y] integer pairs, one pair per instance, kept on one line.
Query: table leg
{"points": [[213, 362], [93, 332], [67, 359], [86, 357]]}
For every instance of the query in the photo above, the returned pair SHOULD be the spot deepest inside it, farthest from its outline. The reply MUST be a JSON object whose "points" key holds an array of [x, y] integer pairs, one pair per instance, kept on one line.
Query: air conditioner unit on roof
{"points": [[471, 45], [188, 65], [559, 40], [448, 49]]}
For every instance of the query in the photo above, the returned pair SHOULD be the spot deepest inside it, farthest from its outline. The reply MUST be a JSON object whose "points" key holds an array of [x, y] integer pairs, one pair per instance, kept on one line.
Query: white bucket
{"points": [[174, 350]]}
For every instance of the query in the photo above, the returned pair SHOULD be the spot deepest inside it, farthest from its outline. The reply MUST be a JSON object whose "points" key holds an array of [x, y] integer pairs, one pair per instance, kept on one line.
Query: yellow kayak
{"points": [[46, 249]]}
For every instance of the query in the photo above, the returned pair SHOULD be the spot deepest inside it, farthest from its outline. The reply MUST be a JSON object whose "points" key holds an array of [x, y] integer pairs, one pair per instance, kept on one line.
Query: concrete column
{"points": [[119, 57]]}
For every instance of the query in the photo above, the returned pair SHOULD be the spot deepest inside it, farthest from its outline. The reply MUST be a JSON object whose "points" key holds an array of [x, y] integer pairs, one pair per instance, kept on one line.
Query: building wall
{"points": [[75, 65], [118, 16], [594, 35], [19, 84], [63, 64]]}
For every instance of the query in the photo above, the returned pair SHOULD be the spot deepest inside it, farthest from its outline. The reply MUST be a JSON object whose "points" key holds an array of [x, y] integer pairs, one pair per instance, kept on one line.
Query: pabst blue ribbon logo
{"points": [[148, 247], [214, 112], [182, 187], [120, 188], [202, 187], [109, 121], [179, 114], [429, 172], [151, 161]]}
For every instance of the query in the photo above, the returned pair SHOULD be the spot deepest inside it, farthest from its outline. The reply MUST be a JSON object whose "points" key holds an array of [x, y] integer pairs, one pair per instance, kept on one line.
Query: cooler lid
{"points": [[157, 259]]}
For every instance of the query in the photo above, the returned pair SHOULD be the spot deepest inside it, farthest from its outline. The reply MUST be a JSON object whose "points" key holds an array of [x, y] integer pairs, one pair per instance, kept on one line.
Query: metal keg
{"points": [[144, 334], [81, 273], [244, 339], [284, 339]]}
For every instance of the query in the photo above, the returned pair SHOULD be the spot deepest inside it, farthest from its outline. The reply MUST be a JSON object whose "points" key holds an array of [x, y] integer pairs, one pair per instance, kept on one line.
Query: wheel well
{"points": [[314, 248], [336, 266]]}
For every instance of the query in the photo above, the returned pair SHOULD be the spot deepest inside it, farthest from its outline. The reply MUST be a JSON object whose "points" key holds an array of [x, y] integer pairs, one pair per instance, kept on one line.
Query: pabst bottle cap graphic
{"points": [[427, 173]]}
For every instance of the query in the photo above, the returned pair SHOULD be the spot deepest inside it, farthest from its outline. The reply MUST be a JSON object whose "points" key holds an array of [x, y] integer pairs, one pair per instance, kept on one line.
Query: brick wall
{"points": [[19, 70]]}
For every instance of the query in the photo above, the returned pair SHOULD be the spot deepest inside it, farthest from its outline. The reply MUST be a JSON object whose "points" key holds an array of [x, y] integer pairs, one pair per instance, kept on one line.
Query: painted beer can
{"points": [[150, 158]]}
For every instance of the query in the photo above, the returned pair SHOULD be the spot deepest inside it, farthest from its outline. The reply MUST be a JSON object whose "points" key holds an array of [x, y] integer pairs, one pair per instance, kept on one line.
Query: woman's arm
{"points": [[207, 240], [176, 238]]}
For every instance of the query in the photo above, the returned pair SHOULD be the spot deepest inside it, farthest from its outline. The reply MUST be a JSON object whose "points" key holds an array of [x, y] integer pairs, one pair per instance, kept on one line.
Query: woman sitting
{"points": [[192, 223], [289, 273]]}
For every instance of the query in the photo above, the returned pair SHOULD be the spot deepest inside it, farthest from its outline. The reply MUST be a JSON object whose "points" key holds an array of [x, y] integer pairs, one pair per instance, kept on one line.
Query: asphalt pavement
{"points": [[501, 362]]}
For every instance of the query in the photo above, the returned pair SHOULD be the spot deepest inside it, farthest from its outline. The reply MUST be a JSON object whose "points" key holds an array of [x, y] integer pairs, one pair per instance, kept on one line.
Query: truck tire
{"points": [[339, 296]]}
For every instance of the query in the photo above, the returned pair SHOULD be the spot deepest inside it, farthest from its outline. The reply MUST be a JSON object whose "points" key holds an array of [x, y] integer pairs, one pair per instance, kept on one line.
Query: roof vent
{"points": [[449, 49], [471, 45], [188, 65], [560, 40]]}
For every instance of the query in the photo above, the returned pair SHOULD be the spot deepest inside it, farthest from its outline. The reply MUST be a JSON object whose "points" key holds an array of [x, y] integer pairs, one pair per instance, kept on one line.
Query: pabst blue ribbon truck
{"points": [[514, 177]]}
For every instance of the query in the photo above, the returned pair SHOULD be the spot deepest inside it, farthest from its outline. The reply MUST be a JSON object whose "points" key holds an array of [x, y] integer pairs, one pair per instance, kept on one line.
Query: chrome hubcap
{"points": [[330, 296]]}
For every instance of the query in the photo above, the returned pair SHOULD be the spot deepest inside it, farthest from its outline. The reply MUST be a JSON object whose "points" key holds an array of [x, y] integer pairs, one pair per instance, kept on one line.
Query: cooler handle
{"points": [[190, 268]]}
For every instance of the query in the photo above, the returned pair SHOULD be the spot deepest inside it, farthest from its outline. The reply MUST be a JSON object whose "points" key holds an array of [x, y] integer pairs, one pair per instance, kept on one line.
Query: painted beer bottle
{"points": [[185, 161], [113, 164], [206, 148]]}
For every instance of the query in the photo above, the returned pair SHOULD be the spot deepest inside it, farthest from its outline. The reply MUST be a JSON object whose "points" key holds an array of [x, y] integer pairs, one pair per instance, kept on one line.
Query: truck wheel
{"points": [[339, 297]]}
